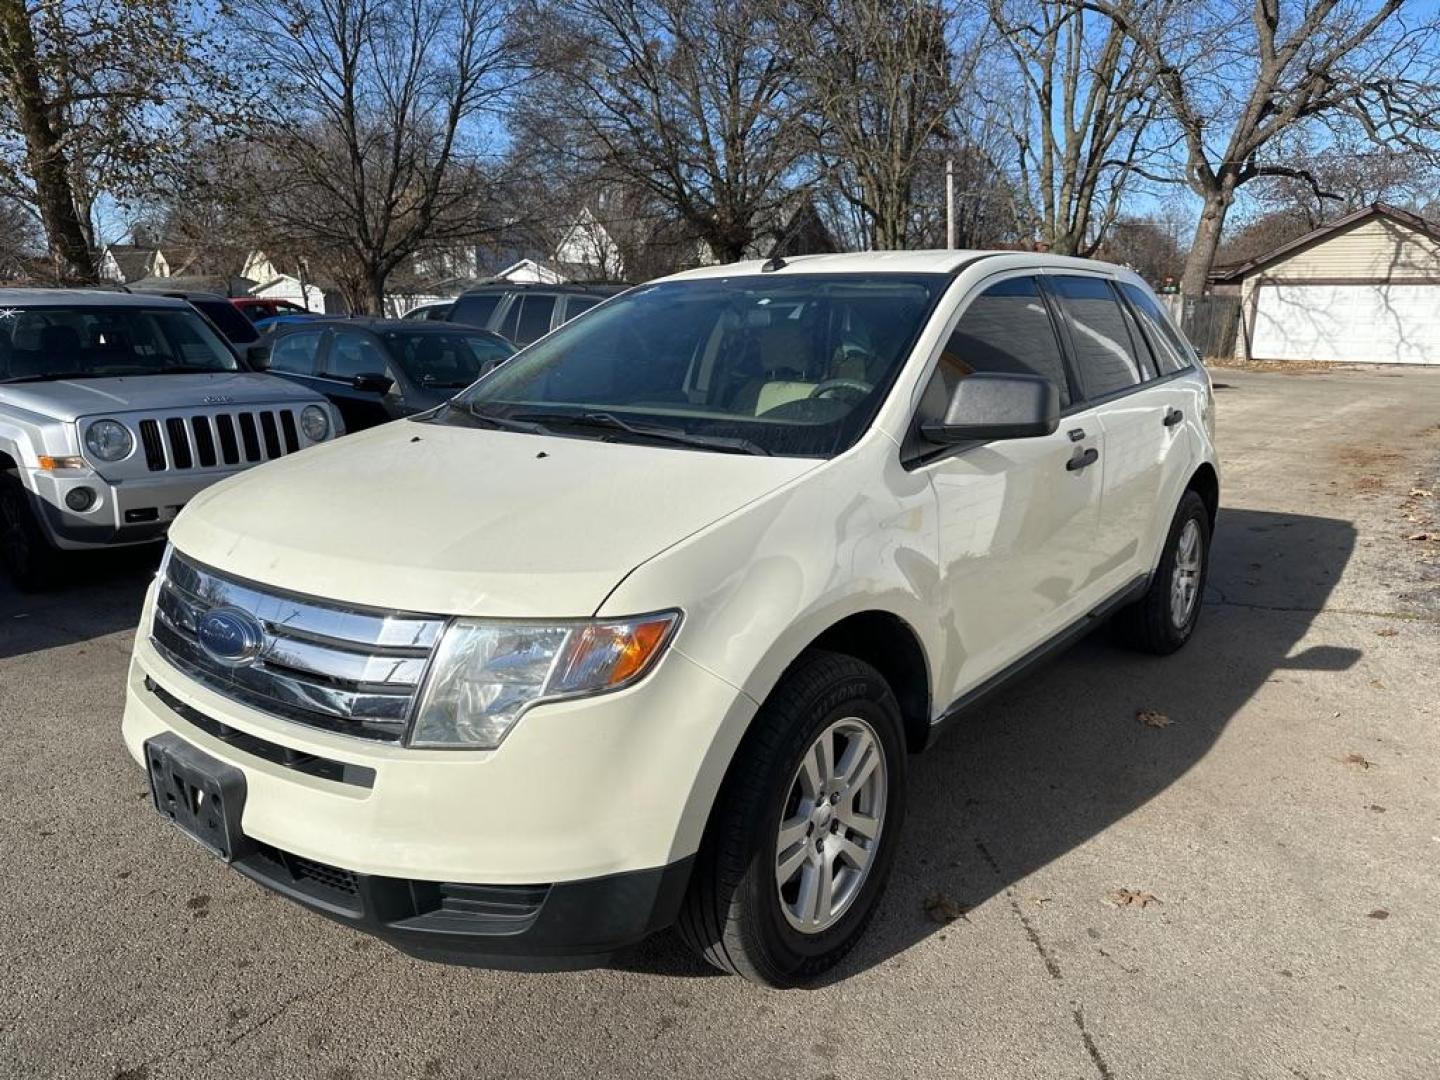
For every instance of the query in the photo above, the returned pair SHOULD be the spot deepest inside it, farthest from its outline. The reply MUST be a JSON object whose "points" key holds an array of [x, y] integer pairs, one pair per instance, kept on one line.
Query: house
{"points": [[273, 283], [588, 252], [124, 263], [1364, 288], [530, 271]]}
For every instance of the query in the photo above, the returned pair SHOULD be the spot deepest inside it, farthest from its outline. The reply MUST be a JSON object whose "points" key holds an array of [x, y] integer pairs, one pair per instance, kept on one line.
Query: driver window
{"points": [[353, 353], [1006, 329]]}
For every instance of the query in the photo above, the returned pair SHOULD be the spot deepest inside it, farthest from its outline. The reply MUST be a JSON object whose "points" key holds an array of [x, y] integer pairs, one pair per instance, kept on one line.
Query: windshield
{"points": [[795, 364], [446, 361], [58, 342]]}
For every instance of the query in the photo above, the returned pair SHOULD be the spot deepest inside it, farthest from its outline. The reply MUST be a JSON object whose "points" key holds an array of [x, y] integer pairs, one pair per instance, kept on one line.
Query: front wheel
{"points": [[25, 554], [805, 828], [1164, 618]]}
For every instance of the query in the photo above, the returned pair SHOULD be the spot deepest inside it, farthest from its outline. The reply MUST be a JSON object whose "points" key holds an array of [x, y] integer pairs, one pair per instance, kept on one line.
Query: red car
{"points": [[257, 308]]}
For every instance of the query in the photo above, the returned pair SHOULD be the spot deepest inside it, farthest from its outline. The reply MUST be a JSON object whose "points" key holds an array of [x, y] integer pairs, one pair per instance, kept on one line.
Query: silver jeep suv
{"points": [[115, 410]]}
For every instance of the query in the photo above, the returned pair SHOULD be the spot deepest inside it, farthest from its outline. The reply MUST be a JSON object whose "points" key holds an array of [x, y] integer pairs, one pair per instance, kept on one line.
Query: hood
{"points": [[467, 521], [70, 399]]}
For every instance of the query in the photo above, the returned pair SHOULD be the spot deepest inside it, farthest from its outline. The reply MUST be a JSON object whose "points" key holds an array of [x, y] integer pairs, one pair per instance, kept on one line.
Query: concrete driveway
{"points": [[1246, 889]]}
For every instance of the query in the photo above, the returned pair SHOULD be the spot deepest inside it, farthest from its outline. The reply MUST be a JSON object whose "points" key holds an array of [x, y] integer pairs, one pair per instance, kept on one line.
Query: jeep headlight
{"points": [[486, 674], [109, 440], [314, 423]]}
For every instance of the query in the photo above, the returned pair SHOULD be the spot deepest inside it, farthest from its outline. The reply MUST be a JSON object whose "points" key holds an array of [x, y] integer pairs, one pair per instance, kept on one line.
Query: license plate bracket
{"points": [[201, 795]]}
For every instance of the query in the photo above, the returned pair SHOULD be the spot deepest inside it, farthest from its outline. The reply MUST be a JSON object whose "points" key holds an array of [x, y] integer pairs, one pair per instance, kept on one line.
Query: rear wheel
{"points": [[25, 553], [1164, 618], [805, 828]]}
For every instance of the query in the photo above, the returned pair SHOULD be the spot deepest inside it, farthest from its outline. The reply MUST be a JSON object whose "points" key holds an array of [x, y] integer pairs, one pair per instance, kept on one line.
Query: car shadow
{"points": [[98, 593], [1055, 759]]}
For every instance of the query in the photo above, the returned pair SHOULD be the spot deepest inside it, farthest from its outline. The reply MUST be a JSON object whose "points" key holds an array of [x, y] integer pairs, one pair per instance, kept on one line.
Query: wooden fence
{"points": [[1210, 322]]}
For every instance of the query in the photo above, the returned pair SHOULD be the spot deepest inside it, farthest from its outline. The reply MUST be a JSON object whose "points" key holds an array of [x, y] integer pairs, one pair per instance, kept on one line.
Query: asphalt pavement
{"points": [[1242, 883]]}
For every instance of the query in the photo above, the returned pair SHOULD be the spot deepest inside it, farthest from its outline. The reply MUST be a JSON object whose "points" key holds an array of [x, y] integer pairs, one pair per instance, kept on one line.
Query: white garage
{"points": [[1363, 289]]}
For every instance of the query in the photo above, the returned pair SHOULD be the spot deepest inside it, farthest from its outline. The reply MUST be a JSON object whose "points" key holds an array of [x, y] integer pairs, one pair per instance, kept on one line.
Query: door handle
{"points": [[1082, 459], [1172, 417]]}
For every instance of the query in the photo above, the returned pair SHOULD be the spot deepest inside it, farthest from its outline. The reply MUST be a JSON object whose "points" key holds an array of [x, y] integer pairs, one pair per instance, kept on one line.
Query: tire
{"points": [[1154, 623], [26, 554], [737, 914]]}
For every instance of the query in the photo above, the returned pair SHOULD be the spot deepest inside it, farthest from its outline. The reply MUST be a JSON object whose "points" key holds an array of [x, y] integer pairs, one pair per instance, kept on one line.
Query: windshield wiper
{"points": [[43, 377], [611, 422], [470, 411]]}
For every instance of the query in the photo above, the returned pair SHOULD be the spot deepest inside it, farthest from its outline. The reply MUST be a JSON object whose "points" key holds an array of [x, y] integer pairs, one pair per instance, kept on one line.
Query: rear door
{"points": [[1017, 518], [1119, 381]]}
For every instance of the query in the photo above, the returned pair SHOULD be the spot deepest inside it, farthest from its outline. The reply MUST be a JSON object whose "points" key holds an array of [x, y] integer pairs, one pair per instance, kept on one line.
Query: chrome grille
{"points": [[209, 440], [352, 670]]}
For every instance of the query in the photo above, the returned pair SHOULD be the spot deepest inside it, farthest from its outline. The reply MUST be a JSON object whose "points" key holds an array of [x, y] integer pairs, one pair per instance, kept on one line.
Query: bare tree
{"points": [[1086, 122], [92, 94], [1333, 180], [1239, 76], [690, 99], [880, 79], [372, 144]]}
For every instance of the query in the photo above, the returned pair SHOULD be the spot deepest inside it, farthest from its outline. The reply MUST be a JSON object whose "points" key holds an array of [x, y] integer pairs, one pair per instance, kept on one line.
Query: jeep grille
{"points": [[208, 441]]}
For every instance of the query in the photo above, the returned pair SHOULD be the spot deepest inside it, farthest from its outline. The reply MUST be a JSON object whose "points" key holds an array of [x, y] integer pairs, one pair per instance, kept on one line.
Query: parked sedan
{"points": [[377, 370]]}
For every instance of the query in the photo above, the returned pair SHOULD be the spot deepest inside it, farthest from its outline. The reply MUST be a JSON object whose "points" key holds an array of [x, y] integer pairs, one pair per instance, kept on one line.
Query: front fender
{"points": [[760, 586]]}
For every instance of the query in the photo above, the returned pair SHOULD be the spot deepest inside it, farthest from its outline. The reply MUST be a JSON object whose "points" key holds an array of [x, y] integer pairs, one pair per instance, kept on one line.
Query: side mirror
{"points": [[372, 382], [258, 356], [987, 406]]}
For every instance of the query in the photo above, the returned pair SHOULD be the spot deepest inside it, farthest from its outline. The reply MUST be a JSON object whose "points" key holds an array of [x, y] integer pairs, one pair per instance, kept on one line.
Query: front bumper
{"points": [[600, 803], [126, 512], [568, 925]]}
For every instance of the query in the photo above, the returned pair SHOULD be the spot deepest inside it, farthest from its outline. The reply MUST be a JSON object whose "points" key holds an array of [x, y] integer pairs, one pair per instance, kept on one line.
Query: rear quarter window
{"points": [[1171, 351]]}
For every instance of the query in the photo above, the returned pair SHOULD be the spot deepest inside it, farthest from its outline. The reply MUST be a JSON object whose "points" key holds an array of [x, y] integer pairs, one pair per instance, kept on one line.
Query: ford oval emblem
{"points": [[230, 635]]}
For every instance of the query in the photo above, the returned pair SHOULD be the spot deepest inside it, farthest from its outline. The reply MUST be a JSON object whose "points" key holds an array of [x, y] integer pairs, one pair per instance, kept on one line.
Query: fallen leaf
{"points": [[1420, 493], [942, 909], [1151, 718], [1357, 759], [1376, 807], [1133, 898], [1379, 913], [1418, 536], [1389, 631]]}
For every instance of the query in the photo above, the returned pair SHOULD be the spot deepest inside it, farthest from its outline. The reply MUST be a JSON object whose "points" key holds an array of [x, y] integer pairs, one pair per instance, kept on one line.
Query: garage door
{"points": [[1375, 324]]}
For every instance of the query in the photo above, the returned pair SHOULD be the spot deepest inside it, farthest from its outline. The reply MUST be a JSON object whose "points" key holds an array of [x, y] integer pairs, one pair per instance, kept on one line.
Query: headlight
{"points": [[314, 423], [109, 440], [486, 674]]}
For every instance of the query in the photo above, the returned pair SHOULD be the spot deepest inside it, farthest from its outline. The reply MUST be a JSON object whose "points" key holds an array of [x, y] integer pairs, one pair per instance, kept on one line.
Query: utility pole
{"points": [[950, 204]]}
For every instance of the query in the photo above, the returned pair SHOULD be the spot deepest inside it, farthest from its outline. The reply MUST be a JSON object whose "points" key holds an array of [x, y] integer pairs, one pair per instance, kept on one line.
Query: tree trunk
{"points": [[727, 247], [1206, 242], [375, 288], [49, 169]]}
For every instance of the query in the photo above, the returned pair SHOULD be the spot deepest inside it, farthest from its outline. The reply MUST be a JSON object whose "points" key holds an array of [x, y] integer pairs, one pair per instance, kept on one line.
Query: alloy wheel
{"points": [[830, 826], [1185, 578]]}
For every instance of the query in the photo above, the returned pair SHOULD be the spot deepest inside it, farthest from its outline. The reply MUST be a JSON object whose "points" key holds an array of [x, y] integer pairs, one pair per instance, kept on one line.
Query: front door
{"points": [[353, 353], [1018, 518]]}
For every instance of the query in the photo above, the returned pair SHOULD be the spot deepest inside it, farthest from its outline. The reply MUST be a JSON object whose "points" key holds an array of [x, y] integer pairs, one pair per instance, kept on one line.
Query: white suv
{"points": [[642, 628]]}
